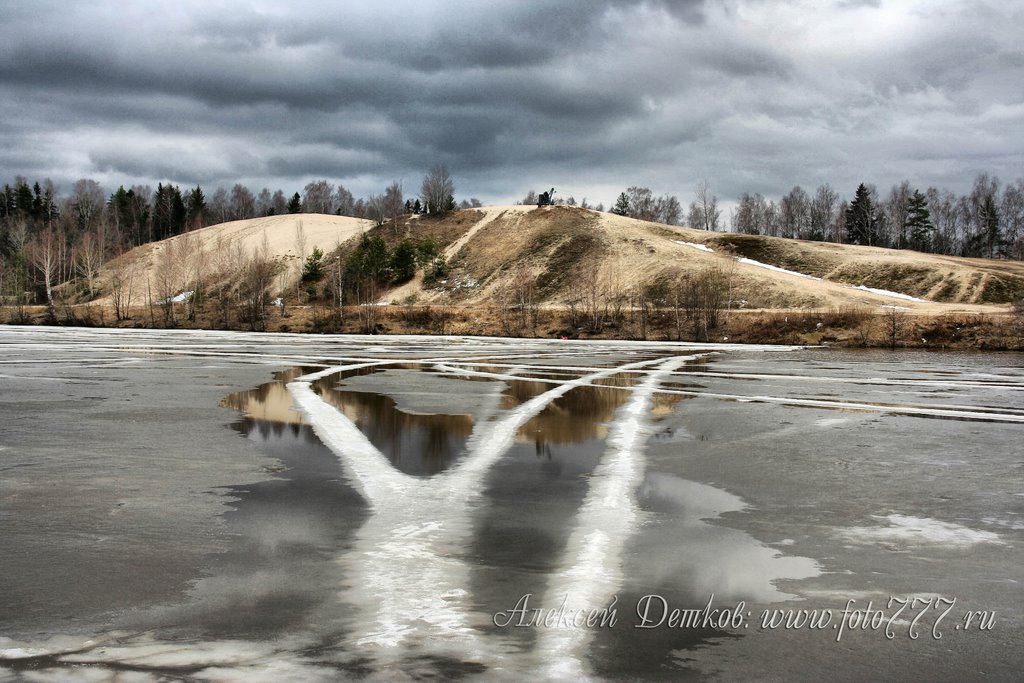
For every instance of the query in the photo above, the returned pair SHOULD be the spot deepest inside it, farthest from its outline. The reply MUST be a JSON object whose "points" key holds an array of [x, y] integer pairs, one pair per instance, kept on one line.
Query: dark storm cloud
{"points": [[753, 95]]}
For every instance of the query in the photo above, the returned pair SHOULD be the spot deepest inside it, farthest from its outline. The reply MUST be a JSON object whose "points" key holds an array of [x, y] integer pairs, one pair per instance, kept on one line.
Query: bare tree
{"points": [[193, 264], [702, 296], [518, 302], [279, 203], [794, 210], [300, 247], [89, 259], [393, 200], [228, 261], [378, 209], [595, 290], [823, 212], [344, 203], [19, 234], [168, 278], [44, 250], [243, 204], [437, 189], [641, 203], [617, 295], [1011, 210], [264, 202], [667, 210], [257, 276], [894, 323], [640, 308], [749, 215], [86, 203], [318, 197], [1017, 322], [122, 280], [897, 209], [219, 206], [704, 211]]}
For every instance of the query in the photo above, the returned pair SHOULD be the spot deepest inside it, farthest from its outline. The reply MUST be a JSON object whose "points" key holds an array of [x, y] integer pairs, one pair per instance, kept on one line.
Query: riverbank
{"points": [[840, 327]]}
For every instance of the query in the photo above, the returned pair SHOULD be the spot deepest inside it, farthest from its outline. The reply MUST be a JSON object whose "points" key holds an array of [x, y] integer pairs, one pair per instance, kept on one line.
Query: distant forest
{"points": [[47, 238], [988, 222]]}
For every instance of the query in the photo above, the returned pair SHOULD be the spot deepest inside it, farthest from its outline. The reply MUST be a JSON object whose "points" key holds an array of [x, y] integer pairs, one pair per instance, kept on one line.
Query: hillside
{"points": [[568, 249], [215, 249], [565, 248]]}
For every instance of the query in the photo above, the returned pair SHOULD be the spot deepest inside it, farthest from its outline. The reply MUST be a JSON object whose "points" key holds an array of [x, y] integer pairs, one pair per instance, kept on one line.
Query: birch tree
{"points": [[704, 211], [437, 190], [44, 250]]}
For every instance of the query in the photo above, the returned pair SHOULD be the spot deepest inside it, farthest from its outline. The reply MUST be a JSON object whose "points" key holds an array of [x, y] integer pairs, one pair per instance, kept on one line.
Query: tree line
{"points": [[986, 222], [642, 204], [47, 238]]}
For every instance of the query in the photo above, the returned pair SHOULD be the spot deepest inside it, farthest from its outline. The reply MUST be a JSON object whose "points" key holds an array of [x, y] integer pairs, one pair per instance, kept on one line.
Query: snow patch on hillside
{"points": [[768, 266], [702, 247], [872, 290]]}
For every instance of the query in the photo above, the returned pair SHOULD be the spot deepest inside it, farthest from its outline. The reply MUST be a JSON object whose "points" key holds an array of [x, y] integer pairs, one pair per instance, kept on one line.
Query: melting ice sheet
{"points": [[399, 494]]}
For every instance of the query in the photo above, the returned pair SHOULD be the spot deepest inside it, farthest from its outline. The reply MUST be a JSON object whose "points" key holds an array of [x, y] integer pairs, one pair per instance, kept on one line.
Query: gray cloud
{"points": [[590, 96]]}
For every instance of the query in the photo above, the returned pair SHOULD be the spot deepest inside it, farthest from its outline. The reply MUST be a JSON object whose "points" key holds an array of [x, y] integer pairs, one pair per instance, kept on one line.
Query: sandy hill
{"points": [[568, 248], [219, 248], [569, 251]]}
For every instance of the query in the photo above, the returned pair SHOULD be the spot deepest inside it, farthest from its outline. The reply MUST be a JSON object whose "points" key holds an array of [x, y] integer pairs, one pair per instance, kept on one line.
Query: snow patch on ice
{"points": [[908, 530], [591, 571], [11, 649], [840, 595], [1015, 525]]}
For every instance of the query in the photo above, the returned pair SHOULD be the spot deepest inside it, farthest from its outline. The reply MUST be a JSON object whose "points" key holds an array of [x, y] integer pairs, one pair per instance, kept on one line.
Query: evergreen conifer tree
{"points": [[861, 221], [622, 205], [919, 222]]}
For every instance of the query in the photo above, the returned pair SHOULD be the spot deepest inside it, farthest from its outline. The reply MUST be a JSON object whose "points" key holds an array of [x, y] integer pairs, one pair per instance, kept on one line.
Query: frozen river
{"points": [[210, 506]]}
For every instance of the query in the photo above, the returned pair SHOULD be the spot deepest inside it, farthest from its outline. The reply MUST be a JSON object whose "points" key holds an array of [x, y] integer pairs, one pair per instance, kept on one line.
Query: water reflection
{"points": [[279, 575], [382, 403], [681, 514], [415, 444], [268, 403], [408, 568], [565, 525], [580, 415]]}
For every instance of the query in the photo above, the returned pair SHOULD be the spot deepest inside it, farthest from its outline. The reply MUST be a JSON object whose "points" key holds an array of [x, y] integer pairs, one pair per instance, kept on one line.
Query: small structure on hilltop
{"points": [[546, 198]]}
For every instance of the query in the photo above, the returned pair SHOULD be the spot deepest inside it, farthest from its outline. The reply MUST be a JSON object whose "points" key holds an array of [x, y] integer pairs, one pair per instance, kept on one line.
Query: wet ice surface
{"points": [[221, 506]]}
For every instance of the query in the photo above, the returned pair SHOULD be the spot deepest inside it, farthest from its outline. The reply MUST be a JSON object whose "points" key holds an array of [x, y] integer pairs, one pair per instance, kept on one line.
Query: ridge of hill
{"points": [[565, 248], [569, 248]]}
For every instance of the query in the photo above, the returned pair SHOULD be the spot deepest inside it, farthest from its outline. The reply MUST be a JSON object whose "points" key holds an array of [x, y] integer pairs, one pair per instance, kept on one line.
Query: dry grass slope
{"points": [[562, 246]]}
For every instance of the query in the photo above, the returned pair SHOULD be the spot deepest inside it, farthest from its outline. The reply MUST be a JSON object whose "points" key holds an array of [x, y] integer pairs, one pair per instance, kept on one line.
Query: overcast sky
{"points": [[588, 97]]}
